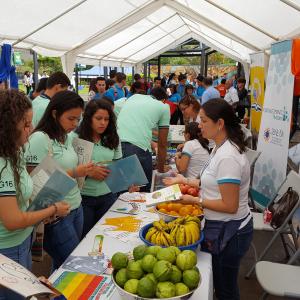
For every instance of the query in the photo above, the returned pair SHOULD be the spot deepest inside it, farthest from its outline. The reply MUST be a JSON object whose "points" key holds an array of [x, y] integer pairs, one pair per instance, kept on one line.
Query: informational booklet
{"points": [[170, 193], [18, 279], [124, 173], [131, 208], [95, 265], [177, 133], [84, 286], [50, 184], [84, 150]]}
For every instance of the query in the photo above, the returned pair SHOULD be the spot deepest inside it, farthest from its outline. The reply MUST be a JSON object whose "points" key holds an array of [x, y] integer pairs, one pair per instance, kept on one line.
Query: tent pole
{"points": [[158, 66], [202, 71], [76, 78], [35, 69], [105, 72], [145, 72]]}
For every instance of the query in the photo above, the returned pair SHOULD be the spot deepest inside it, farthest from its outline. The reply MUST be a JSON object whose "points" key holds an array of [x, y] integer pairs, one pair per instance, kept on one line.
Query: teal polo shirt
{"points": [[39, 105]]}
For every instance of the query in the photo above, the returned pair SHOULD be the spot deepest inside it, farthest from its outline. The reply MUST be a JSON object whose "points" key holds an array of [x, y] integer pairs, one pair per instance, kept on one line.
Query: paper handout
{"points": [[124, 173], [170, 193], [18, 279], [84, 150], [50, 184]]}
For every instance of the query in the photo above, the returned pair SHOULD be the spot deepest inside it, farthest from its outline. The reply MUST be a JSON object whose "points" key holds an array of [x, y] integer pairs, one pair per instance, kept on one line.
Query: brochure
{"points": [[50, 184], [177, 133], [76, 285], [170, 193], [84, 150], [18, 279], [124, 173]]}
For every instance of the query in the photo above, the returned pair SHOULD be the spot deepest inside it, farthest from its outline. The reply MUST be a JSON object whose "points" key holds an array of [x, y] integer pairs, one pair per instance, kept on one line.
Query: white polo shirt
{"points": [[226, 165], [198, 157]]}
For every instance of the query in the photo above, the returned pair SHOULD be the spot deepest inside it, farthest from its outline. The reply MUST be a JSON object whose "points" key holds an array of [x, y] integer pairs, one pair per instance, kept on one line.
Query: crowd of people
{"points": [[120, 122]]}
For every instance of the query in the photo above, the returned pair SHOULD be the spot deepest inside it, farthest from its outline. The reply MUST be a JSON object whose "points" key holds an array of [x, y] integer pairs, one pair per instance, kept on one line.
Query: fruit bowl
{"points": [[128, 296], [145, 229], [169, 217]]}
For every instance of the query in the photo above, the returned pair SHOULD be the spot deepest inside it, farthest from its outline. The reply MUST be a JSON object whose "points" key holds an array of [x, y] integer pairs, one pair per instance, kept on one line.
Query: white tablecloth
{"points": [[112, 245]]}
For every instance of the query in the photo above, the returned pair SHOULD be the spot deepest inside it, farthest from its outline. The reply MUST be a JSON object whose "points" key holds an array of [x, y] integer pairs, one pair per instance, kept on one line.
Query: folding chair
{"points": [[279, 279], [292, 180]]}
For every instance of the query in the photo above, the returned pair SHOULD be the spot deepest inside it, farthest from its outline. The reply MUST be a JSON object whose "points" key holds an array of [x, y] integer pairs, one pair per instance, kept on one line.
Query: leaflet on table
{"points": [[170, 193], [17, 278], [50, 184], [124, 173], [131, 208], [95, 265], [76, 285], [84, 150]]}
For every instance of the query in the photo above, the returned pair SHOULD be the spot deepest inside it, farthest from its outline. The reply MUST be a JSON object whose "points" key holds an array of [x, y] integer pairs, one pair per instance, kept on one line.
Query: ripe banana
{"points": [[173, 233], [180, 236], [158, 239], [192, 218], [194, 230], [170, 241], [157, 225], [150, 232], [164, 239], [153, 237], [188, 235]]}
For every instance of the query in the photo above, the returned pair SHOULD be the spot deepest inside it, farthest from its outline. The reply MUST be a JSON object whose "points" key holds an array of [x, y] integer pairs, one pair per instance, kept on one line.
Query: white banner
{"points": [[273, 139]]}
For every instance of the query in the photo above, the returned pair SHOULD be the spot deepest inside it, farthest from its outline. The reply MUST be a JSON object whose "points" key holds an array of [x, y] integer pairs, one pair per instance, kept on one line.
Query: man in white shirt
{"points": [[231, 95]]}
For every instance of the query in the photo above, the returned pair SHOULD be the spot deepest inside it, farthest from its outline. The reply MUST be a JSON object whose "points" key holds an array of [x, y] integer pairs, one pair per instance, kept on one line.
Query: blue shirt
{"points": [[98, 96], [180, 89], [210, 93], [175, 98], [199, 92], [115, 93]]}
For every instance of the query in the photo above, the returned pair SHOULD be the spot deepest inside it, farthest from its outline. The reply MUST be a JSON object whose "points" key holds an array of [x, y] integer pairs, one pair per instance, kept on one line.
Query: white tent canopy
{"points": [[129, 32]]}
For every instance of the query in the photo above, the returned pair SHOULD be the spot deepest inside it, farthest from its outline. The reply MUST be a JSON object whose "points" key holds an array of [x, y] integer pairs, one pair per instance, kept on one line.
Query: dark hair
{"points": [[13, 106], [156, 78], [218, 108], [109, 138], [223, 81], [109, 83], [112, 73], [241, 80], [137, 76], [92, 86], [61, 102], [208, 81], [42, 85], [173, 87], [190, 100], [159, 93], [109, 101], [188, 87], [58, 78], [137, 87], [195, 133], [200, 77], [100, 78], [120, 76], [181, 77]]}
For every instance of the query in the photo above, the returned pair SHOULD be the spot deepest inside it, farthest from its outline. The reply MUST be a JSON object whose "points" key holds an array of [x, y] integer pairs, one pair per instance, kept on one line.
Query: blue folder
{"points": [[124, 173]]}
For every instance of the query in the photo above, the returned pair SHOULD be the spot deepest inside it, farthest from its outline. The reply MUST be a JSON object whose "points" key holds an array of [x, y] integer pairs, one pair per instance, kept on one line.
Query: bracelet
{"points": [[56, 208]]}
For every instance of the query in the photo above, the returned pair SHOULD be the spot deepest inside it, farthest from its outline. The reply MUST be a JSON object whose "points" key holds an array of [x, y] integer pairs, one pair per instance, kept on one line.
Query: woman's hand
{"points": [[62, 208], [98, 172], [174, 180], [180, 147], [189, 199], [83, 170]]}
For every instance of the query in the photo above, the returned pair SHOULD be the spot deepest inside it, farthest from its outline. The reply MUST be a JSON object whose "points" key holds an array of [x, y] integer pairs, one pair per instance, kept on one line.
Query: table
{"points": [[111, 245]]}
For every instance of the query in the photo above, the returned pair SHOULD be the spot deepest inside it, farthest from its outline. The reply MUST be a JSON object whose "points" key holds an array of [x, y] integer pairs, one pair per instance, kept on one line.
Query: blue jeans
{"points": [[226, 264], [22, 255], [94, 208], [62, 238], [145, 159]]}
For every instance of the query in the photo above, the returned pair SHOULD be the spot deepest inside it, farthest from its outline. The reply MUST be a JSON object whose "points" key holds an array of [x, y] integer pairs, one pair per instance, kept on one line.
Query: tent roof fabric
{"points": [[129, 32]]}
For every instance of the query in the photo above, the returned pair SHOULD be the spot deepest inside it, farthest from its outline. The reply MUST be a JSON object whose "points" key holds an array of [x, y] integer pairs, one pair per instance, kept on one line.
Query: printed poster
{"points": [[257, 79], [273, 139]]}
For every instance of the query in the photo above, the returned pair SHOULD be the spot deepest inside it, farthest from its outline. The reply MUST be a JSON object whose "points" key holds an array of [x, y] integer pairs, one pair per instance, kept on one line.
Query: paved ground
{"points": [[249, 289]]}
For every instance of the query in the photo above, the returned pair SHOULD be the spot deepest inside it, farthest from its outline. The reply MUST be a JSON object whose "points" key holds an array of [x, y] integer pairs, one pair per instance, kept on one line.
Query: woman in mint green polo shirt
{"points": [[98, 126], [51, 136], [16, 186]]}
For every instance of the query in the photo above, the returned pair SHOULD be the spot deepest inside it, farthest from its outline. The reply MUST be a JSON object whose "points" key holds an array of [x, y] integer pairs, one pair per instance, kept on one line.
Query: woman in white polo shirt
{"points": [[224, 183], [195, 152]]}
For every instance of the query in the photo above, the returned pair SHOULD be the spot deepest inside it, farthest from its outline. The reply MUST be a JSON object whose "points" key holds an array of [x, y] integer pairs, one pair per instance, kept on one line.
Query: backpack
{"points": [[282, 208]]}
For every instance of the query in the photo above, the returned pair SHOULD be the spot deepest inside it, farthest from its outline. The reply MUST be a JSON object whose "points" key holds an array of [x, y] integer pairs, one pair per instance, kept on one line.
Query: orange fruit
{"points": [[183, 211], [195, 212], [173, 213], [164, 211], [170, 207], [177, 206]]}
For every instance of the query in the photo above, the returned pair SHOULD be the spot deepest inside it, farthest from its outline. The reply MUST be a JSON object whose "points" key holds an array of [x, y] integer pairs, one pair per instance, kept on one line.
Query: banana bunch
{"points": [[158, 234], [180, 232]]}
